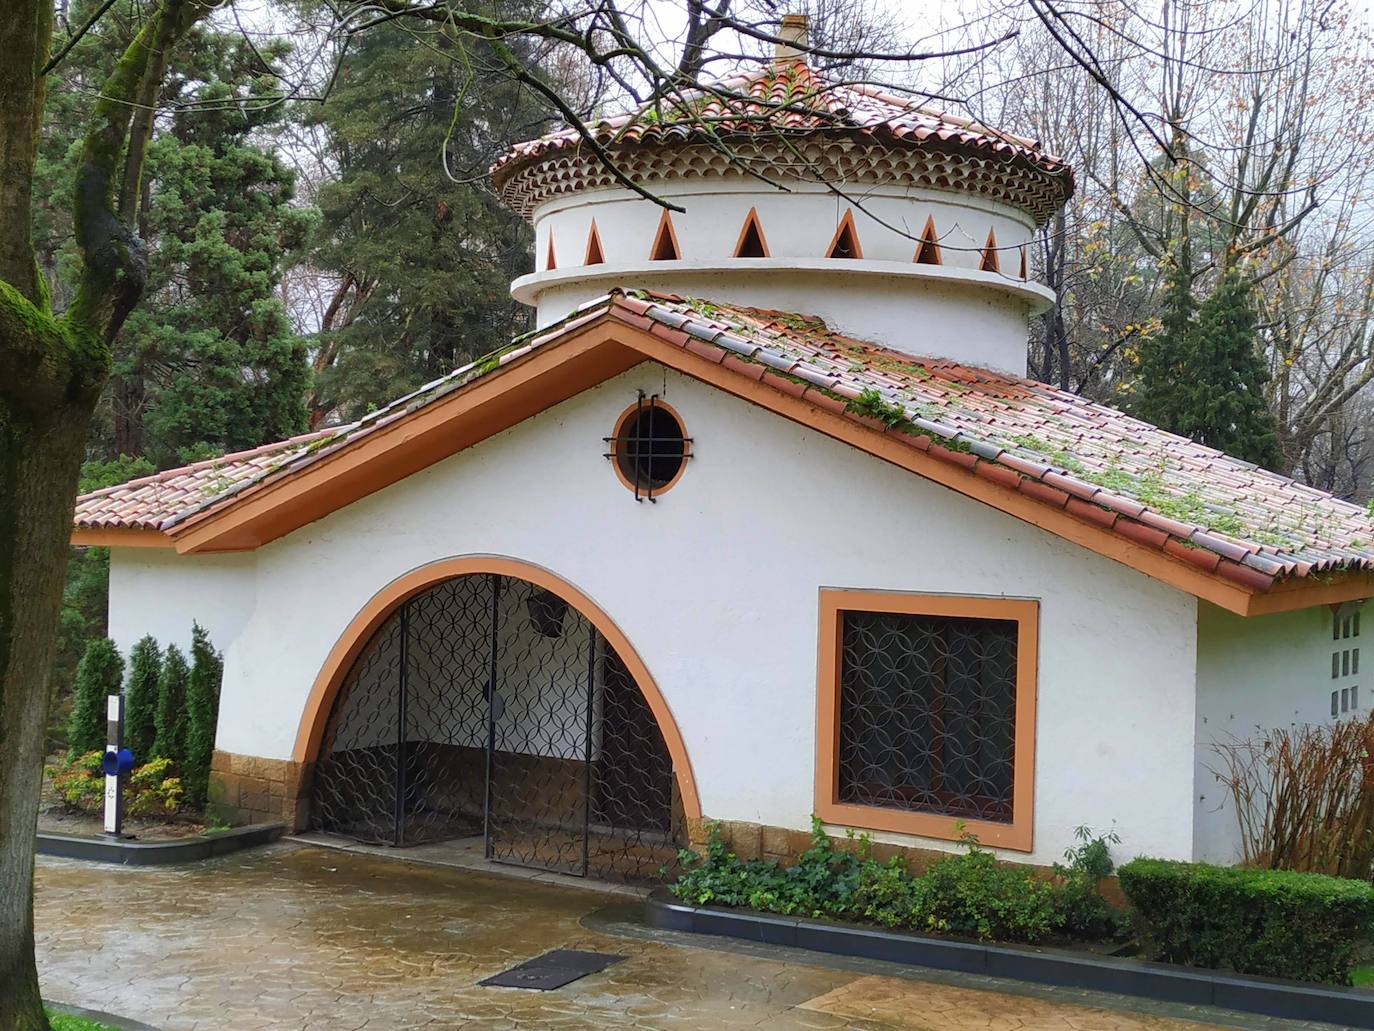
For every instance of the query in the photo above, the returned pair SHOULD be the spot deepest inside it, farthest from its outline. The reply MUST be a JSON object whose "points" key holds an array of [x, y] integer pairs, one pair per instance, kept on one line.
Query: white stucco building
{"points": [[763, 521]]}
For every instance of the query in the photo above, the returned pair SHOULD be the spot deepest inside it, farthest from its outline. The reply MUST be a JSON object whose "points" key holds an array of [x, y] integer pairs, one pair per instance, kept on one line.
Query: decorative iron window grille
{"points": [[927, 714], [649, 448]]}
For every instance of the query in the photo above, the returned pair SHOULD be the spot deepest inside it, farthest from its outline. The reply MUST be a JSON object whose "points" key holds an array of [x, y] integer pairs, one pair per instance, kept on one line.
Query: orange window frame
{"points": [[1015, 835]]}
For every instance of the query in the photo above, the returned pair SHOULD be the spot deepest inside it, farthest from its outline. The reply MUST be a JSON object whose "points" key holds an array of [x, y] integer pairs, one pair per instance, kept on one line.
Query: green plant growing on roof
{"points": [[875, 406]]}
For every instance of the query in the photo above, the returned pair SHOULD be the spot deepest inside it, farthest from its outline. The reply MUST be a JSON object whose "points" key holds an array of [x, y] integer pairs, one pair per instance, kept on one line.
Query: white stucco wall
{"points": [[716, 587], [1254, 675], [160, 593], [952, 310]]}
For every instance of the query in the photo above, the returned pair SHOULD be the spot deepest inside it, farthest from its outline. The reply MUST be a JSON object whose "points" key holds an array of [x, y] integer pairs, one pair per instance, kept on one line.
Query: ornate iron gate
{"points": [[488, 705]]}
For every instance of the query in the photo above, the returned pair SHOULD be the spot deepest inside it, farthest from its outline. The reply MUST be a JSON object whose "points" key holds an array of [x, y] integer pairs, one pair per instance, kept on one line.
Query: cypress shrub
{"points": [[202, 704], [169, 741], [140, 698], [1275, 923], [99, 673]]}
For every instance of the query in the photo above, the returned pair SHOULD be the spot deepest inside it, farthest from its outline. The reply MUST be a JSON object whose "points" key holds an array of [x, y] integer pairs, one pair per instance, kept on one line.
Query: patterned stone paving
{"points": [[309, 938]]}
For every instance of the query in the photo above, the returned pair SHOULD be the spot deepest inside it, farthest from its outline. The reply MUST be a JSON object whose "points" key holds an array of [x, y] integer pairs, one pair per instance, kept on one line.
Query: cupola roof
{"points": [[853, 130]]}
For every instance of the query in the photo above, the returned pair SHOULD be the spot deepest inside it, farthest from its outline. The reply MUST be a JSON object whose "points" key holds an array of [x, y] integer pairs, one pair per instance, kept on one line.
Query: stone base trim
{"points": [[785, 844], [253, 789]]}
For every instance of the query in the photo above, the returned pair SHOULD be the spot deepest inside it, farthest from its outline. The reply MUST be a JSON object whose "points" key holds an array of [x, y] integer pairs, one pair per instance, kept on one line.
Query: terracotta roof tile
{"points": [[789, 99], [1096, 463], [144, 504]]}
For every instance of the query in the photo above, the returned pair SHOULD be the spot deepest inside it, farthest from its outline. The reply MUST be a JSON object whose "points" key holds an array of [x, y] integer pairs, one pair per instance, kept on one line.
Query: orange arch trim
{"points": [[347, 648]]}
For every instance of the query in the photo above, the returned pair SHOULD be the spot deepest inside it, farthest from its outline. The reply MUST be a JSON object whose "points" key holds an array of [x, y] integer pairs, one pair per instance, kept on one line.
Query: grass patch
{"points": [[67, 1022], [1362, 976]]}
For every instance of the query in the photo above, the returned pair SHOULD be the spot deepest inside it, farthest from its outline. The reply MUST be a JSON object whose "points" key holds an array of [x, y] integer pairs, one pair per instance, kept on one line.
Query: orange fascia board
{"points": [[489, 405], [1305, 592], [607, 346], [106, 537]]}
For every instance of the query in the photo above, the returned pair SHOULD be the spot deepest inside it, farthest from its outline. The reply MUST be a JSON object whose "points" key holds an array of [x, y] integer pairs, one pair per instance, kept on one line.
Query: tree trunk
{"points": [[130, 392], [52, 369], [39, 465]]}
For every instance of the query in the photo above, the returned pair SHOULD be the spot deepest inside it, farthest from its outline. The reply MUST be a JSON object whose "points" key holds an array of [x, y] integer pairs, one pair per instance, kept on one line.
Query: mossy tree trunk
{"points": [[52, 368]]}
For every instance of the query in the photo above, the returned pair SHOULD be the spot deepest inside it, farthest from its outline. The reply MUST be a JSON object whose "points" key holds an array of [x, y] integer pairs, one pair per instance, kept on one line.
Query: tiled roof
{"points": [[1093, 462], [146, 503], [792, 99], [1155, 488]]}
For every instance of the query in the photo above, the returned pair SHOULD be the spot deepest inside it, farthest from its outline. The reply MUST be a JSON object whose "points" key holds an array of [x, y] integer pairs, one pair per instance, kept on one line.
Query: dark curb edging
{"points": [[156, 853], [99, 1016], [1274, 997]]}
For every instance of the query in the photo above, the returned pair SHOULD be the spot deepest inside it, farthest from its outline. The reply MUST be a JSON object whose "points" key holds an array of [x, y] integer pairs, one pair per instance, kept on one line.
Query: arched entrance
{"points": [[491, 704]]}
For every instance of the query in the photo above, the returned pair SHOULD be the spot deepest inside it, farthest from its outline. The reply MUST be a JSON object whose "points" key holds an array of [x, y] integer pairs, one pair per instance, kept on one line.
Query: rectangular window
{"points": [[926, 714]]}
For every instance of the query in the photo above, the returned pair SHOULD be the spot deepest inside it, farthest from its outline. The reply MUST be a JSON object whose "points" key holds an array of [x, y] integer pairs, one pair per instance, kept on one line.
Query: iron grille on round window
{"points": [[649, 449], [927, 713], [487, 707]]}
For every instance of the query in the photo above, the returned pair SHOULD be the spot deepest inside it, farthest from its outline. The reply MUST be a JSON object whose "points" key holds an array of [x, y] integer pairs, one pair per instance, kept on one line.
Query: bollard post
{"points": [[117, 763]]}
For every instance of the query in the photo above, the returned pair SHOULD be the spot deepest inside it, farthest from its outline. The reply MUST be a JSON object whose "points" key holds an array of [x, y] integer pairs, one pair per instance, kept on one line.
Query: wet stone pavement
{"points": [[312, 938]]}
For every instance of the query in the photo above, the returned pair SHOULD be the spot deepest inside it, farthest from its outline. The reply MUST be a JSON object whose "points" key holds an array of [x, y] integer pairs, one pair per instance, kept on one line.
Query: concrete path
{"points": [[309, 938]]}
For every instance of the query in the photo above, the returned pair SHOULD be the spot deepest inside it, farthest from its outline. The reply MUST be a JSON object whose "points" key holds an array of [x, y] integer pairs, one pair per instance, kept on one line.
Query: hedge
{"points": [[1274, 923]]}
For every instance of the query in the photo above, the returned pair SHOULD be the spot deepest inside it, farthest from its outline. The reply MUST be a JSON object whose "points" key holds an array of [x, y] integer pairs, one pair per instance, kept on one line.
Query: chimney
{"points": [[791, 40]]}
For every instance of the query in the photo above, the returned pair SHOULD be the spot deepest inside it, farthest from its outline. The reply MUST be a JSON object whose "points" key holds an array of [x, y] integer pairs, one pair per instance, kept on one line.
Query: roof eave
{"points": [[615, 339], [120, 537]]}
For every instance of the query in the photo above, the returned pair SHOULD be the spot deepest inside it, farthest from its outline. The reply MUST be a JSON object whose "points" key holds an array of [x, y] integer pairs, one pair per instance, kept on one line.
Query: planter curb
{"points": [[156, 853], [1274, 997], [99, 1016]]}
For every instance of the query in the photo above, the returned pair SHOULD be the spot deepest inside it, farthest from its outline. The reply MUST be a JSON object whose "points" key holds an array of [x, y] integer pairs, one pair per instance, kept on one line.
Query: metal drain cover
{"points": [[552, 970]]}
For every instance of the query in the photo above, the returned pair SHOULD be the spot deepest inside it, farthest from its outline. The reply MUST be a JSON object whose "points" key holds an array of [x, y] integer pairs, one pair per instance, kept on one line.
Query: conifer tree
{"points": [[202, 698], [140, 698], [1163, 355], [1202, 375], [1229, 409], [98, 675], [170, 740]]}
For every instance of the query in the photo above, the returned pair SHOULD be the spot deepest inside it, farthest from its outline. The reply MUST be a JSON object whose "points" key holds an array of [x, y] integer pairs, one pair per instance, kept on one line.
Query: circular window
{"points": [[650, 448]]}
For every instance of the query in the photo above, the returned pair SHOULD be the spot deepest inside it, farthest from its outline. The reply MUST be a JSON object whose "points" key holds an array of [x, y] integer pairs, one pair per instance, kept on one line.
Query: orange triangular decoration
{"points": [[989, 261], [550, 263], [928, 250], [1023, 262], [751, 243], [594, 254], [845, 242], [665, 243]]}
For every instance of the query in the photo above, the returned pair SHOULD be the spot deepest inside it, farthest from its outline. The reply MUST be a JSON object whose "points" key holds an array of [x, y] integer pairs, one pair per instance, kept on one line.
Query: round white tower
{"points": [[891, 222]]}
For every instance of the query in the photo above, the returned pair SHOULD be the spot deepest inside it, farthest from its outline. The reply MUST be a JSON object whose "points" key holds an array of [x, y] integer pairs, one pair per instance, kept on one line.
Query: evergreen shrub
{"points": [[169, 741], [1274, 923], [202, 705], [80, 782], [98, 675], [969, 894], [140, 698]]}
